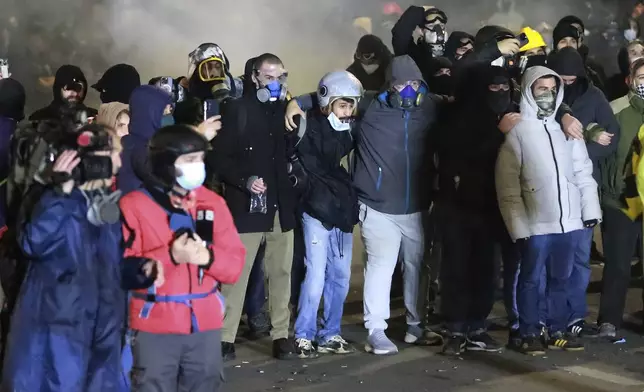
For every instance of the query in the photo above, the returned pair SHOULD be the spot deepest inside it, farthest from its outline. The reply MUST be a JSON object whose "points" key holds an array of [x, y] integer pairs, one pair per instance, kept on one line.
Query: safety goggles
{"points": [[365, 57]]}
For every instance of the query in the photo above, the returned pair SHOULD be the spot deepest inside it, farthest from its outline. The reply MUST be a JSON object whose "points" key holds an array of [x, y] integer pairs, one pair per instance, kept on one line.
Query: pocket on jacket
{"points": [[61, 303], [540, 205]]}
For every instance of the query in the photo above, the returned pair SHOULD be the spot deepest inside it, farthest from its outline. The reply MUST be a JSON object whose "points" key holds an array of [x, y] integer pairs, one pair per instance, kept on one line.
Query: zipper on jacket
{"points": [[379, 181], [554, 158], [407, 174]]}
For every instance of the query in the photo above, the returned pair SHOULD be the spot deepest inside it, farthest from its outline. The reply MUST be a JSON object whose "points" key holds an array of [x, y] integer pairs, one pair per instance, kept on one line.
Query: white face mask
{"points": [[370, 68], [337, 124], [192, 176], [630, 34]]}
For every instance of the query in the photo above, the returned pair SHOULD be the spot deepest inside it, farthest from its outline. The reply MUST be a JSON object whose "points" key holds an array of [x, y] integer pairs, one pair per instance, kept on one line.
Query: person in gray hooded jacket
{"points": [[391, 174], [547, 195]]}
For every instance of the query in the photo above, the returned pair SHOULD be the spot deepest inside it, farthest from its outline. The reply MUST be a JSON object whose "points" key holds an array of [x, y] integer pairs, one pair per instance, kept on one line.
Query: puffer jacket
{"points": [[544, 182]]}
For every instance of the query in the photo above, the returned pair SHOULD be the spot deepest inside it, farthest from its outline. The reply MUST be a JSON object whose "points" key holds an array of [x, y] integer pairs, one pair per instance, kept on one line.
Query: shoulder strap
{"points": [[301, 129]]}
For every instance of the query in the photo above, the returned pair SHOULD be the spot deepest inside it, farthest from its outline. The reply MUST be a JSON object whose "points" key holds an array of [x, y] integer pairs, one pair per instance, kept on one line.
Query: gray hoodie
{"points": [[544, 182], [391, 172]]}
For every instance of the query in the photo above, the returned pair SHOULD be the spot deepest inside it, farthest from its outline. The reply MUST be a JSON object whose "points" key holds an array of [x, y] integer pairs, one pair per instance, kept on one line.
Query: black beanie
{"points": [[567, 62], [562, 31]]}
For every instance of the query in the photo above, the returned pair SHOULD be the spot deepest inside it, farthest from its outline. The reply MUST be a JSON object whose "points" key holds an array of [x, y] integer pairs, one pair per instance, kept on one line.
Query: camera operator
{"points": [[66, 329], [70, 89]]}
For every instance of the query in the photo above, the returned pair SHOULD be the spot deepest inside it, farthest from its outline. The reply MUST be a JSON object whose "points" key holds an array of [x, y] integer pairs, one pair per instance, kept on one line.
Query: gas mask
{"points": [[407, 98], [436, 36], [221, 90], [103, 207], [273, 91]]}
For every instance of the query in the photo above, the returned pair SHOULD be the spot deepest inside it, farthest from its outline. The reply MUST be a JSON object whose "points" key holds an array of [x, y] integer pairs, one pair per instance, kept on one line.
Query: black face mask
{"points": [[498, 101], [441, 85], [537, 59], [574, 91]]}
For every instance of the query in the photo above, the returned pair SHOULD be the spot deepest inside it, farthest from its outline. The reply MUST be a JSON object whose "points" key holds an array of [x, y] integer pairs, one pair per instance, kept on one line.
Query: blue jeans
{"points": [[553, 253], [328, 271], [580, 277]]}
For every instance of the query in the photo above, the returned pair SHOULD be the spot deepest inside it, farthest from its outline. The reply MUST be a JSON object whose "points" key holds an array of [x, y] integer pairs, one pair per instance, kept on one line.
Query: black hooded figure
{"points": [[440, 82], [70, 77], [457, 44], [371, 59], [469, 140], [117, 83]]}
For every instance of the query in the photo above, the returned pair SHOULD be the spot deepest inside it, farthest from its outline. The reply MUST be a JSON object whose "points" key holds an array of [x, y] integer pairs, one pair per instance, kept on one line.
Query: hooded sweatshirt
{"points": [[12, 105], [108, 113], [391, 169], [117, 83], [371, 44], [588, 104], [544, 182], [146, 110], [66, 74]]}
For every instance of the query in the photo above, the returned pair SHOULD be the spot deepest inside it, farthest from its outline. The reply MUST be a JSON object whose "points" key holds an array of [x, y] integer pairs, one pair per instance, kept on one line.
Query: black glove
{"points": [[590, 223]]}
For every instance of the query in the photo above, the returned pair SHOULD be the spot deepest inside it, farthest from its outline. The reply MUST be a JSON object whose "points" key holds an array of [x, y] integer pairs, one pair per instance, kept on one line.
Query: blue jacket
{"points": [[147, 104], [67, 326]]}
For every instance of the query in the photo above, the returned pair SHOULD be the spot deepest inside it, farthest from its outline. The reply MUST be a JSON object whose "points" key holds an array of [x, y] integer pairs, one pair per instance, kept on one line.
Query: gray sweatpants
{"points": [[177, 363]]}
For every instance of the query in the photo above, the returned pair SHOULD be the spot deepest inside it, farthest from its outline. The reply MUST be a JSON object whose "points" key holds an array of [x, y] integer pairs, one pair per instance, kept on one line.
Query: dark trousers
{"points": [[168, 362], [298, 269], [511, 258], [620, 235], [467, 271], [579, 278], [256, 289], [553, 253]]}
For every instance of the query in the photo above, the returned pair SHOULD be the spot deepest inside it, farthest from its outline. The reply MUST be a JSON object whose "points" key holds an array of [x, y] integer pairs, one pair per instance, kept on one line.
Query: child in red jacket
{"points": [[177, 341]]}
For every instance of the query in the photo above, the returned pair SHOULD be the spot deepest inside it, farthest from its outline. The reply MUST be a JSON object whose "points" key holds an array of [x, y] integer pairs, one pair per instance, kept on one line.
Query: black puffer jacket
{"points": [[329, 197]]}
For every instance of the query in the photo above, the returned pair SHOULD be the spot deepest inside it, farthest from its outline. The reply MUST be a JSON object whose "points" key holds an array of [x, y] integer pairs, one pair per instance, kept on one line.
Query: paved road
{"points": [[602, 367]]}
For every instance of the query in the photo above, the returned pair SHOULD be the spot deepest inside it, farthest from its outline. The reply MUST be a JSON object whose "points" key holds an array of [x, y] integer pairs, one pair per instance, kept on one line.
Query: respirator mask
{"points": [[271, 91], [103, 207], [221, 90], [407, 98], [436, 36]]}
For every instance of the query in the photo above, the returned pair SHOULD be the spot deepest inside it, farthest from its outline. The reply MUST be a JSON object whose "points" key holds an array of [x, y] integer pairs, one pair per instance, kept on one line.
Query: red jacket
{"points": [[147, 233]]}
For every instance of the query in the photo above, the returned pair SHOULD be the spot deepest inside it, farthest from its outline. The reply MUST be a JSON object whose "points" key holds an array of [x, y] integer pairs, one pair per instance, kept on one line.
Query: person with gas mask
{"points": [[189, 230], [12, 111], [458, 45], [430, 21], [622, 224], [70, 311], [70, 89], [208, 78], [471, 224], [569, 32], [371, 59], [330, 210], [250, 156], [602, 134], [546, 219], [118, 83], [617, 85], [394, 194]]}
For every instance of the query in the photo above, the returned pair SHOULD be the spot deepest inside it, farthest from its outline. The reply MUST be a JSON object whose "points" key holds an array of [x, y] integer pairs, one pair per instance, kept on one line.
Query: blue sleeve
{"points": [[48, 226], [132, 276]]}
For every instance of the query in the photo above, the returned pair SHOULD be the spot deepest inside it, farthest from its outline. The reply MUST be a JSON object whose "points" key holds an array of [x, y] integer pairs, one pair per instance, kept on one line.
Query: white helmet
{"points": [[338, 84]]}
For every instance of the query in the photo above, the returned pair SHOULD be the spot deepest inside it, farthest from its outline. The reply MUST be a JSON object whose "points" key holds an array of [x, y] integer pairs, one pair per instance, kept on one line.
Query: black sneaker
{"points": [[514, 339], [454, 345], [259, 326], [482, 341], [558, 341], [228, 351], [284, 349], [305, 349], [532, 345], [335, 345], [582, 329]]}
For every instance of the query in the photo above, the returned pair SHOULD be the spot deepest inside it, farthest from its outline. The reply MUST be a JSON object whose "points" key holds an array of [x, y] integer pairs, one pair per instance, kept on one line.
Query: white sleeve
{"points": [[508, 188], [582, 168]]}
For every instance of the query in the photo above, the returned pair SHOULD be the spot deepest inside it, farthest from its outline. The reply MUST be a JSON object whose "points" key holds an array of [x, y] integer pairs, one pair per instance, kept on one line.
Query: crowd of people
{"points": [[193, 201]]}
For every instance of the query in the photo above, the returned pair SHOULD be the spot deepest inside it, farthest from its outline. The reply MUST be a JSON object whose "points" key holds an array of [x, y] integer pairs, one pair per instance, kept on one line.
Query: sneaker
{"points": [[559, 341], [284, 349], [482, 341], [378, 343], [607, 330], [514, 339], [305, 349], [422, 337], [335, 345], [259, 326], [228, 351], [582, 329], [543, 336], [454, 345], [532, 345]]}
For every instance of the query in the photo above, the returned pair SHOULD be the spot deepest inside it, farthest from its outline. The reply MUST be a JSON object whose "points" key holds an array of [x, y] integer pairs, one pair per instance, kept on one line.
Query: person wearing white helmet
{"points": [[330, 210]]}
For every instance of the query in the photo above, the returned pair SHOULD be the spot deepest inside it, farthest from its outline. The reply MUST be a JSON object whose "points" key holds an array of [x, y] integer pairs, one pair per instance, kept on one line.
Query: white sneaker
{"points": [[378, 343]]}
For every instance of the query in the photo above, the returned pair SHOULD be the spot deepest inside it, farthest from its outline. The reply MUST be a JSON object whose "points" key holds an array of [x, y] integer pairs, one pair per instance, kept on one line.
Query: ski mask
{"points": [[546, 104]]}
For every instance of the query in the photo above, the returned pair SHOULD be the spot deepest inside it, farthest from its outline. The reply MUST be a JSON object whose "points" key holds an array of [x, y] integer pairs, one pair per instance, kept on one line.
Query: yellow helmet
{"points": [[535, 40]]}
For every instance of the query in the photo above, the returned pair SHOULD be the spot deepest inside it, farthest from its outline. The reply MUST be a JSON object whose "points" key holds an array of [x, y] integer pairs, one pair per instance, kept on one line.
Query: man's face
{"points": [[568, 80], [639, 77], [366, 58], [70, 93], [568, 42], [211, 69], [543, 86], [535, 52], [268, 73], [635, 52], [343, 108]]}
